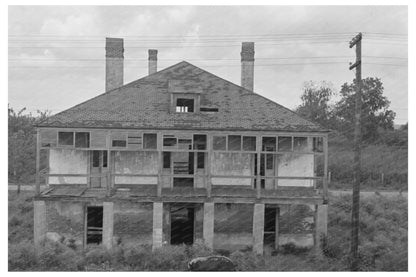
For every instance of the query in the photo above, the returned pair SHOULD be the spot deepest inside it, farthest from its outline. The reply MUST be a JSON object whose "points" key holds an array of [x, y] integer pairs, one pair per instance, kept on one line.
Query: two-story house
{"points": [[174, 156]]}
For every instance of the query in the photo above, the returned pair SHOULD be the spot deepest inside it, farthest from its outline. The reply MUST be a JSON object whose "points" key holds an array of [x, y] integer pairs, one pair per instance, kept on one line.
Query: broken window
{"points": [[285, 143], [200, 142], [66, 138], [149, 141], [119, 143], [82, 139], [166, 159], [219, 143], [169, 141], [207, 109], [268, 144], [300, 144], [249, 143], [318, 144], [234, 143], [184, 105], [200, 160], [48, 138]]}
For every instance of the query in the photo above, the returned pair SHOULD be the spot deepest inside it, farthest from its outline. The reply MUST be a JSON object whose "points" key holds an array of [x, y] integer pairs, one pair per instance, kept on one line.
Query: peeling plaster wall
{"points": [[68, 161], [65, 219], [133, 223], [233, 226], [231, 164], [137, 162], [296, 165]]}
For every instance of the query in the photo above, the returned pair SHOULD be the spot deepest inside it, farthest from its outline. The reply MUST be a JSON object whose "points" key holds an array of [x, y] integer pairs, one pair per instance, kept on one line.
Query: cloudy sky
{"points": [[56, 53]]}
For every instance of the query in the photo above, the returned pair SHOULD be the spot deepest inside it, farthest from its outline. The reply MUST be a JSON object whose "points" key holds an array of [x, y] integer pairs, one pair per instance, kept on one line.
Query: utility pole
{"points": [[355, 215]]}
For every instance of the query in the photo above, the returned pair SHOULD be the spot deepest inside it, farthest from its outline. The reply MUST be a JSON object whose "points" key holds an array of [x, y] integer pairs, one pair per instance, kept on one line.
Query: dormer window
{"points": [[184, 105]]}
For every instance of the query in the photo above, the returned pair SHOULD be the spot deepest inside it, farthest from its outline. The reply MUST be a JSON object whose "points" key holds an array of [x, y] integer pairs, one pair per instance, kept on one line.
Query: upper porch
{"points": [[184, 166]]}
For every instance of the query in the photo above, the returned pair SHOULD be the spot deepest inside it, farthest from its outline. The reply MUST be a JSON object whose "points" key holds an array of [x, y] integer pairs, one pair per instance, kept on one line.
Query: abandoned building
{"points": [[181, 156]]}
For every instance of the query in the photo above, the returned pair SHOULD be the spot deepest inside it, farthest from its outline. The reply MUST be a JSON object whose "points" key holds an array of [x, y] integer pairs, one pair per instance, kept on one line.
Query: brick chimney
{"points": [[114, 63], [152, 61], [247, 65]]}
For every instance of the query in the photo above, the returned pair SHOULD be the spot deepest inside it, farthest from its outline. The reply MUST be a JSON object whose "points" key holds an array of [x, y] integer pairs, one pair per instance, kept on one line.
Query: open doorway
{"points": [[270, 221], [182, 225], [94, 225]]}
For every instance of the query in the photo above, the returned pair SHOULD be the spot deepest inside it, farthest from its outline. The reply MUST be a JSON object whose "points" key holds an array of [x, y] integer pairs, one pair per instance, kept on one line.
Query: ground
{"points": [[383, 244]]}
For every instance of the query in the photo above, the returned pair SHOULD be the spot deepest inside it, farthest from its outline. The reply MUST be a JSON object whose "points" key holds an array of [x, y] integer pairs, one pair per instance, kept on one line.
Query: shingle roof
{"points": [[145, 104]]}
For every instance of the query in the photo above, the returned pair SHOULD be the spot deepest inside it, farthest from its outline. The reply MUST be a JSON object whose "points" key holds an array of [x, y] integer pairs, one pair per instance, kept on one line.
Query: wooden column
{"points": [[160, 163], [258, 228], [208, 179], [38, 145], [258, 178], [325, 180], [108, 224]]}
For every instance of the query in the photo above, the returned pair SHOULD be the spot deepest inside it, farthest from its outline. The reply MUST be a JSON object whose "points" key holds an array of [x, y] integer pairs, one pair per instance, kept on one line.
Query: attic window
{"points": [[184, 105]]}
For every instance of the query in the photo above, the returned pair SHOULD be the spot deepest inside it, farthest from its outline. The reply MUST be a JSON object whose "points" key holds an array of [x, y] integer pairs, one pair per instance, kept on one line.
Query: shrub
{"points": [[247, 261], [55, 256], [22, 256]]}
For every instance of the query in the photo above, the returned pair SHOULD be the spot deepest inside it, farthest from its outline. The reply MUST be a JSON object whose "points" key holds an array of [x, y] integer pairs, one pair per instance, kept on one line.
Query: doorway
{"points": [[270, 221], [99, 168], [94, 225], [182, 225]]}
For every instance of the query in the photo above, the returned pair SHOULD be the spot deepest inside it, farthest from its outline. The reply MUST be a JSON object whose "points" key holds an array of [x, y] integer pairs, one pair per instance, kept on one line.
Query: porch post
{"points": [[208, 226], [108, 224], [157, 225], [258, 228], [39, 221], [38, 145], [321, 218]]}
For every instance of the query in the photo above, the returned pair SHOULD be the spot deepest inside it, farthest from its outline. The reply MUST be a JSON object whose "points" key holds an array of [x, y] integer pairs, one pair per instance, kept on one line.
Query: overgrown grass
{"points": [[376, 159], [383, 245]]}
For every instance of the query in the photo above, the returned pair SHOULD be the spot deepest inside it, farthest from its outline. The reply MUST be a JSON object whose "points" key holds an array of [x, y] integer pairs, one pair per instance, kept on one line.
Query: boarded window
{"points": [[119, 139], [200, 160], [200, 142], [249, 143], [234, 143], [300, 144], [66, 138], [285, 143], [82, 139], [219, 143], [166, 159], [318, 144], [150, 141], [98, 139], [268, 144], [184, 105], [134, 140]]}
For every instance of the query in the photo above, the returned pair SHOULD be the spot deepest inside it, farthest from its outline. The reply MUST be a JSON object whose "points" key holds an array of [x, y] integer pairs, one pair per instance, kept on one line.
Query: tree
{"points": [[315, 102], [22, 145], [375, 114]]}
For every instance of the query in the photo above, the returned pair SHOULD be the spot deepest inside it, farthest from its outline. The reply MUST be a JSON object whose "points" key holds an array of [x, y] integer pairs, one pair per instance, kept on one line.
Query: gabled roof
{"points": [[145, 104]]}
